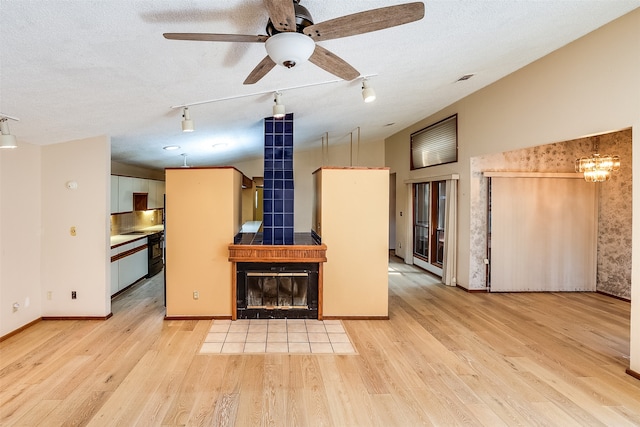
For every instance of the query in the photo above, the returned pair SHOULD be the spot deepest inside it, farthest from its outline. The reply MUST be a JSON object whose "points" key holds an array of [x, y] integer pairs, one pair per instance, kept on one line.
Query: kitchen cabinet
{"points": [[133, 266], [114, 193], [140, 185], [123, 187], [125, 194], [156, 194]]}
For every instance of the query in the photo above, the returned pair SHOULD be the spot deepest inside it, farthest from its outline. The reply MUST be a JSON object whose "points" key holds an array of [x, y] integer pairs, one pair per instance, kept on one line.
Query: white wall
{"points": [[590, 86], [76, 263], [371, 154], [20, 214]]}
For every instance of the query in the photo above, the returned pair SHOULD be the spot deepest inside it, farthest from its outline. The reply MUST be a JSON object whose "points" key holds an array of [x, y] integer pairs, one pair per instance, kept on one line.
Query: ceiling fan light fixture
{"points": [[187, 123], [278, 108], [6, 139], [368, 94], [290, 48]]}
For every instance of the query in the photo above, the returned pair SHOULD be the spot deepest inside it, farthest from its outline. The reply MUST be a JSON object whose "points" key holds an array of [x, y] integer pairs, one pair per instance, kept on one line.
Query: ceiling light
{"points": [[187, 123], [184, 163], [368, 94], [171, 147], [597, 168], [290, 48], [278, 107], [6, 139]]}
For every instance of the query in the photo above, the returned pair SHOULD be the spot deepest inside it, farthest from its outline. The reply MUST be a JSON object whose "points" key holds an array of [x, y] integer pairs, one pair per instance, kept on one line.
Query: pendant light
{"points": [[597, 168]]}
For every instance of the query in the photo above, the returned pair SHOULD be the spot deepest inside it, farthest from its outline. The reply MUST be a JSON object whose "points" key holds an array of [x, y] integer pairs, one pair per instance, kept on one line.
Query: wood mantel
{"points": [[278, 253], [275, 254]]}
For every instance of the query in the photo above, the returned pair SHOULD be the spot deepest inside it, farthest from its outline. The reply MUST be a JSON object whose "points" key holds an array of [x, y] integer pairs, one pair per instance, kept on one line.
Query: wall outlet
{"points": [[49, 295], [196, 295], [74, 295]]}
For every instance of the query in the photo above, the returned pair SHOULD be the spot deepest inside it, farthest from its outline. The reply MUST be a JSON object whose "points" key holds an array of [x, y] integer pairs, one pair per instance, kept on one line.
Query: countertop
{"points": [[121, 239]]}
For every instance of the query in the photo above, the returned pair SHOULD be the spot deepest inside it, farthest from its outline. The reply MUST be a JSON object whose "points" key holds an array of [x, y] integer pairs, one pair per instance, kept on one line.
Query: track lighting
{"points": [[187, 123], [278, 107], [6, 139], [368, 94]]}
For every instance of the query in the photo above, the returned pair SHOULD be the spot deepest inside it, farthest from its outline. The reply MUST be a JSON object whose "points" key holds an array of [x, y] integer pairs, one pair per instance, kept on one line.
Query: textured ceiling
{"points": [[73, 69]]}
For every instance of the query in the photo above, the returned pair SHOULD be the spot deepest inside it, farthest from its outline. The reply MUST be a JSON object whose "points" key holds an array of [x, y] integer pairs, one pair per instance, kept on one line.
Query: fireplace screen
{"points": [[277, 290], [281, 290]]}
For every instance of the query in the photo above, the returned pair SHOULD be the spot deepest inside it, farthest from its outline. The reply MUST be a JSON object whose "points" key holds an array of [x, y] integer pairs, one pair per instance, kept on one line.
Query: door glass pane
{"points": [[421, 220], [438, 256]]}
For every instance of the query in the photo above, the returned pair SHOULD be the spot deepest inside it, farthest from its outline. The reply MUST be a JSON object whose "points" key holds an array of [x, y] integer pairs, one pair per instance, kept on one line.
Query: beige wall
{"points": [[305, 162], [590, 86], [76, 263], [118, 168], [20, 233], [203, 214], [355, 227]]}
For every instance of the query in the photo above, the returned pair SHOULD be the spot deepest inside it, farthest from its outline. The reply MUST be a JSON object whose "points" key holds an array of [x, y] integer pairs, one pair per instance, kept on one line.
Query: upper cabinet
{"points": [[123, 187], [125, 194]]}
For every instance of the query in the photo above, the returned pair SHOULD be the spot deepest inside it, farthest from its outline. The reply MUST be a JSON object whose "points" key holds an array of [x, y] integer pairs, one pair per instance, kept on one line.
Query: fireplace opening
{"points": [[277, 290]]}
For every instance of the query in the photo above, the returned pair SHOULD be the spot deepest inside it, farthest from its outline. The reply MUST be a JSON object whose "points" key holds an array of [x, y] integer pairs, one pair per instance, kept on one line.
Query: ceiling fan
{"points": [[292, 35]]}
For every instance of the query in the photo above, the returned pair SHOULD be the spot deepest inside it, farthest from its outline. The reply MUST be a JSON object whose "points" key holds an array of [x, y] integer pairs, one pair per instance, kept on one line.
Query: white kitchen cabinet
{"points": [[132, 268], [140, 185], [114, 194], [152, 201], [160, 194], [115, 279], [125, 194]]}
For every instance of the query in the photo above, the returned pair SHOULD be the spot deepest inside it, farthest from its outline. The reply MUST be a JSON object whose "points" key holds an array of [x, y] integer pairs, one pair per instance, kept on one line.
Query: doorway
{"points": [[429, 202]]}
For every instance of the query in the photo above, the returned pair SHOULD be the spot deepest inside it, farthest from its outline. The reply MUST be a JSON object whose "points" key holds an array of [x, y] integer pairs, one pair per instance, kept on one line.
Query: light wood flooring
{"points": [[445, 357]]}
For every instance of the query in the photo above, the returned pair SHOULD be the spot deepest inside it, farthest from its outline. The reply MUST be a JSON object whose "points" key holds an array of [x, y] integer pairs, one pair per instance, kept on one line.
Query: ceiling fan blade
{"points": [[367, 21], [216, 37], [282, 14], [260, 71], [332, 63]]}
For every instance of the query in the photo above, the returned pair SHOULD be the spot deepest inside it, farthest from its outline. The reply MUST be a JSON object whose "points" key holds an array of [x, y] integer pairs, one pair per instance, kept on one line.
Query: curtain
{"points": [[449, 264]]}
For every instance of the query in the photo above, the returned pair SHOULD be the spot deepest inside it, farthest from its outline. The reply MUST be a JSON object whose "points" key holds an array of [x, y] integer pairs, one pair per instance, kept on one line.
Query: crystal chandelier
{"points": [[597, 168]]}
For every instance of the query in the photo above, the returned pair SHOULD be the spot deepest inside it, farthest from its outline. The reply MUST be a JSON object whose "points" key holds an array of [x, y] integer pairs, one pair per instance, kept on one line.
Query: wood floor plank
{"points": [[444, 357]]}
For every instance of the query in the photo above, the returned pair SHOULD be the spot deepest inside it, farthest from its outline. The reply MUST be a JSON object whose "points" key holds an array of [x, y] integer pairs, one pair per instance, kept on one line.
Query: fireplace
{"points": [[277, 290], [277, 281]]}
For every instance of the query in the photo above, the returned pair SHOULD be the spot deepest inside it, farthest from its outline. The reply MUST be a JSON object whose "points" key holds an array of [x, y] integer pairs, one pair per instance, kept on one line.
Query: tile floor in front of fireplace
{"points": [[277, 336]]}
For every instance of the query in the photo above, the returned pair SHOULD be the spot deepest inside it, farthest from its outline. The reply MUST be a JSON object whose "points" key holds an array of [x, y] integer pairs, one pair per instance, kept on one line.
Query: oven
{"points": [[156, 243]]}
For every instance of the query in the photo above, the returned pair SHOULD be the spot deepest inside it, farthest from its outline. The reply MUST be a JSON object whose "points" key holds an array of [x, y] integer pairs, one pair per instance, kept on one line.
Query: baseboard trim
{"points": [[197, 317], [355, 317], [473, 291], [20, 329], [77, 317], [633, 373], [613, 296]]}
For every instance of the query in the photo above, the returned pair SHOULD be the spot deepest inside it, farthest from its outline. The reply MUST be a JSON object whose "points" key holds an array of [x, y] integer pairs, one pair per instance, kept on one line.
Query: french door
{"points": [[429, 202]]}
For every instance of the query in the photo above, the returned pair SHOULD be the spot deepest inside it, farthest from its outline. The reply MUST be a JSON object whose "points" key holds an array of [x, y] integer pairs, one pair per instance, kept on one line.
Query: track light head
{"points": [[187, 123], [368, 94], [278, 108], [6, 139]]}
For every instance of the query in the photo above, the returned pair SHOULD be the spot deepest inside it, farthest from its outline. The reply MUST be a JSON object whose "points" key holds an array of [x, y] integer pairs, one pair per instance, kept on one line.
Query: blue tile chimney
{"points": [[278, 181]]}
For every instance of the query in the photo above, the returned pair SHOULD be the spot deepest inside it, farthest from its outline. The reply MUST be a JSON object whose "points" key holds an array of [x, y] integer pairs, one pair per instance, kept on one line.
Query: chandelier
{"points": [[597, 168]]}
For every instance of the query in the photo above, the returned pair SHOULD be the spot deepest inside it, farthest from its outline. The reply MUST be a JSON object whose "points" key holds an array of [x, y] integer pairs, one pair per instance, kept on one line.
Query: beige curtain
{"points": [[543, 234], [449, 265]]}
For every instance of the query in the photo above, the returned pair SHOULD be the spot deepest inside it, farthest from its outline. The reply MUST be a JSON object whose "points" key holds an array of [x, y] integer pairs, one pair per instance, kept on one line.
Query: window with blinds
{"points": [[436, 144]]}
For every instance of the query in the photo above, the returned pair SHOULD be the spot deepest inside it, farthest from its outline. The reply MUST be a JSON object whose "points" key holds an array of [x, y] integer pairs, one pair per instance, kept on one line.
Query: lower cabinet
{"points": [[128, 270]]}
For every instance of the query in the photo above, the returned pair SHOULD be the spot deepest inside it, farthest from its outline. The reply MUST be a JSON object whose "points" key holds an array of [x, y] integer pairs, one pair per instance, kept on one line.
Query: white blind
{"points": [[436, 144]]}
